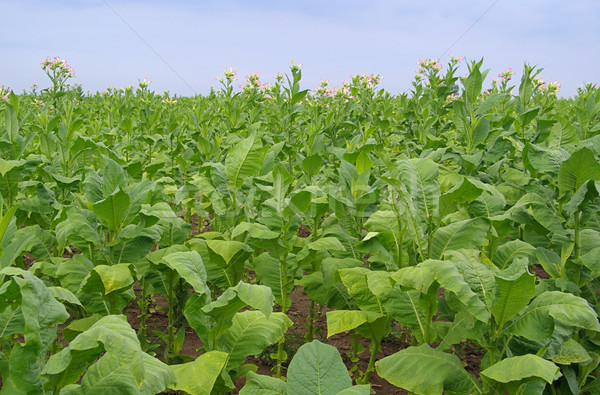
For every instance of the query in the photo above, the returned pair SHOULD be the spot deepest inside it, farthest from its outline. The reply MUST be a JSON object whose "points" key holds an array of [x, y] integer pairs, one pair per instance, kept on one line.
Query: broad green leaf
{"points": [[537, 320], [41, 311], [511, 250], [311, 165], [465, 192], [480, 275], [257, 384], [355, 281], [543, 160], [317, 368], [339, 321], [122, 364], [250, 334], [453, 332], [256, 296], [189, 267], [113, 209], [227, 249], [425, 370], [581, 167], [326, 244], [512, 295], [270, 272], [446, 274], [364, 389], [522, 367], [572, 352], [199, 376], [419, 176], [467, 234], [244, 160], [111, 278]]}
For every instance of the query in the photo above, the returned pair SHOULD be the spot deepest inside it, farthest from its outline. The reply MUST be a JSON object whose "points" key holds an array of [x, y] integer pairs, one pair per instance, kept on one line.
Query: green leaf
{"points": [[109, 278], [189, 267], [581, 167], [122, 365], [244, 160], [259, 297], [511, 250], [537, 320], [257, 384], [467, 234], [419, 176], [522, 367], [363, 162], [270, 272], [113, 209], [512, 295], [311, 164], [572, 352], [250, 334], [227, 249], [446, 274], [326, 244], [465, 192], [317, 368], [339, 321], [198, 377], [425, 370]]}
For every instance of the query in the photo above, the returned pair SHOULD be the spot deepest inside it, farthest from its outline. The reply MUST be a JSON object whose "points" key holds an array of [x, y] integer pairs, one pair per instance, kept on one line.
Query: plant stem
{"points": [[170, 333], [375, 347], [310, 320]]}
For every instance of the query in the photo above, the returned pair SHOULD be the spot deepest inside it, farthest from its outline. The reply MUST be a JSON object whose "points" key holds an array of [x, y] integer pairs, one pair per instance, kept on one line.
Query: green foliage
{"points": [[466, 216]]}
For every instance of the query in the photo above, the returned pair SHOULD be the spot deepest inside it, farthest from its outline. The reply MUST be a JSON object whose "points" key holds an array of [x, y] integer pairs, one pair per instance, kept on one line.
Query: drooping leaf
{"points": [[537, 320], [425, 370], [522, 367]]}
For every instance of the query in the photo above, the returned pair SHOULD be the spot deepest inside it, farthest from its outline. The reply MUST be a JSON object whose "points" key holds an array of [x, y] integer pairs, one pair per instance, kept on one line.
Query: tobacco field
{"points": [[447, 237]]}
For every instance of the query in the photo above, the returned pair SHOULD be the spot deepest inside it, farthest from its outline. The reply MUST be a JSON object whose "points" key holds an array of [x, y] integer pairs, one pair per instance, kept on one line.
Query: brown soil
{"points": [[539, 272]]}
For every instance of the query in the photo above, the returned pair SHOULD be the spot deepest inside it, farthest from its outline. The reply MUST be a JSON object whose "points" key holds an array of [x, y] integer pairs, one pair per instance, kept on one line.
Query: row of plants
{"points": [[460, 215]]}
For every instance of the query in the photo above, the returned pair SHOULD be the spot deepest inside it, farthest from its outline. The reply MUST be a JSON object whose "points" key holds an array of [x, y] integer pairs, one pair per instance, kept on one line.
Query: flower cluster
{"points": [[325, 90], [278, 77], [552, 87], [452, 97], [429, 65], [455, 59], [169, 100], [366, 81], [296, 67], [144, 83], [230, 76], [506, 74], [58, 66], [252, 82], [4, 92], [38, 103]]}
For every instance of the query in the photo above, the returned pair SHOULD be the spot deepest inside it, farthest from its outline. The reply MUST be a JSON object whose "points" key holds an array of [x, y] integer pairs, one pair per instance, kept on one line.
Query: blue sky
{"points": [[333, 39]]}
